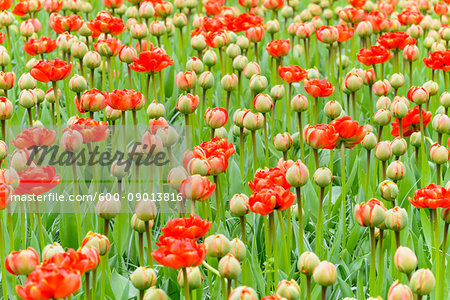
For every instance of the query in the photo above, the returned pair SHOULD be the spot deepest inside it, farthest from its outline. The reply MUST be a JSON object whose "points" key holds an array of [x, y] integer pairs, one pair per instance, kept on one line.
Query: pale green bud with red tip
{"points": [[258, 83], [277, 92], [418, 95], [388, 190], [108, 208], [138, 30], [444, 99], [242, 42], [176, 176], [198, 43], [397, 80], [155, 294], [143, 278], [415, 139], [323, 177], [146, 10], [119, 169], [156, 110], [416, 32], [405, 260], [399, 146], [229, 82], [238, 249], [239, 205], [78, 84], [112, 114], [288, 289], [325, 274], [194, 278], [185, 81], [98, 241], [364, 29], [71, 140], [439, 154], [395, 170], [299, 103], [238, 117], [399, 291], [399, 108], [411, 53], [272, 26], [422, 282], [396, 219], [229, 267], [138, 225], [253, 121], [6, 108], [157, 28], [27, 99], [263, 103], [194, 65], [168, 135], [3, 150], [19, 159], [187, 104], [353, 82], [217, 245], [307, 262], [206, 80], [78, 50], [27, 82], [179, 20], [92, 60], [382, 117], [251, 69], [51, 250], [243, 293], [146, 210], [239, 62], [370, 214], [381, 87], [236, 130], [282, 142], [233, 51], [313, 73], [5, 59], [209, 58], [22, 262], [383, 151], [298, 174], [441, 123], [432, 87], [445, 215]]}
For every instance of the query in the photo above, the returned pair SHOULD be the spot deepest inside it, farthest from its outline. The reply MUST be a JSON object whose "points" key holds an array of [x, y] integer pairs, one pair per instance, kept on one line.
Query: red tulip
{"points": [[22, 262], [357, 3], [37, 180], [350, 133], [105, 23], [344, 33], [52, 6], [278, 48], [179, 253], [321, 136], [197, 188], [440, 8], [34, 136], [5, 193], [5, 4], [270, 178], [61, 24], [351, 15], [24, 7], [267, 200], [192, 228], [409, 16], [370, 214], [92, 101], [432, 196], [410, 123], [373, 55], [7, 80], [216, 117], [438, 60], [51, 70], [124, 99], [153, 60], [92, 131], [292, 73], [155, 124], [395, 40], [113, 3], [108, 47], [327, 34], [36, 47], [318, 88]]}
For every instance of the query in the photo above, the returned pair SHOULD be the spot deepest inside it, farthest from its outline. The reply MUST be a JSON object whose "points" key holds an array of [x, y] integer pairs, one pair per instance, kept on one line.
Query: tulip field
{"points": [[225, 149]]}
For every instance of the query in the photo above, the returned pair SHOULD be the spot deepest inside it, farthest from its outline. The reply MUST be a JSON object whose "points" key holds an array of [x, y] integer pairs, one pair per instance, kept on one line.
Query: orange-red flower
{"points": [[357, 3], [193, 228], [91, 100], [2, 37], [104, 22], [410, 16], [61, 24], [432, 196], [211, 158], [179, 253], [25, 7], [197, 188], [318, 88], [37, 180], [267, 200], [395, 40], [153, 60], [22, 262], [373, 55], [344, 33], [5, 194], [113, 3], [370, 213], [376, 18], [350, 133], [124, 99], [108, 47], [5, 4], [34, 136], [278, 48], [321, 136], [351, 15], [91, 130], [52, 6], [269, 178], [410, 123], [51, 70], [42, 45], [438, 60], [292, 73]]}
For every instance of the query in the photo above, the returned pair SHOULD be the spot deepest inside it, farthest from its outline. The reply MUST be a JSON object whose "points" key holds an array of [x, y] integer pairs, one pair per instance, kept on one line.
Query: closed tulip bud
{"points": [[399, 108], [206, 80], [143, 278], [233, 51], [217, 245], [415, 139], [108, 208], [323, 177], [297, 175], [441, 123], [422, 282], [7, 80], [411, 52], [3, 150], [78, 84], [51, 250], [251, 69], [19, 160], [198, 43], [370, 214], [277, 92], [325, 274], [139, 31], [71, 140], [405, 260], [187, 104], [388, 190], [239, 205], [282, 141], [146, 10], [112, 114], [243, 293], [194, 65], [220, 133], [186, 81], [432, 87], [238, 249], [6, 108], [418, 95], [120, 168], [396, 219], [353, 82], [370, 141], [22, 262], [444, 99], [157, 28], [439, 154], [27, 99], [155, 294], [216, 117], [78, 50], [263, 103], [383, 103], [210, 58], [381, 88], [397, 80], [155, 110], [27, 82], [299, 103], [194, 278], [258, 83], [50, 95], [146, 210], [369, 77], [236, 130], [6, 18], [383, 151], [238, 117], [5, 59], [396, 170], [398, 146], [364, 29], [399, 291], [288, 289], [179, 20], [416, 32], [243, 42], [332, 109], [176, 176], [92, 60], [138, 225], [253, 121], [229, 82], [229, 267], [307, 262], [382, 117], [239, 62], [98, 241]]}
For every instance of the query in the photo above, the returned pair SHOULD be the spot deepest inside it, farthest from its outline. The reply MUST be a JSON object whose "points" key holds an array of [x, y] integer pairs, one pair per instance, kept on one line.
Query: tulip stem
{"points": [[266, 141], [187, 295], [316, 108], [288, 105], [88, 290], [437, 246], [319, 236], [316, 158], [367, 172], [397, 239], [308, 287], [141, 249], [422, 143], [380, 262], [2, 260], [286, 254], [41, 228], [161, 86], [92, 78], [241, 150], [188, 137], [105, 227], [255, 157], [243, 229], [272, 233], [444, 252], [354, 105], [256, 52], [154, 86], [372, 261], [400, 128], [58, 115], [148, 232], [323, 295], [110, 73], [343, 193]]}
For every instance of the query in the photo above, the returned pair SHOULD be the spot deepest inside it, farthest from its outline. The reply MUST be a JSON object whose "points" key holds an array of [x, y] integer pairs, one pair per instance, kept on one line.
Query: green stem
{"points": [[58, 114], [2, 260], [444, 257], [308, 287], [88, 290], [288, 106], [103, 262], [266, 141], [161, 86], [300, 126], [316, 108], [285, 251], [422, 143], [148, 232], [243, 229], [319, 237], [187, 295], [380, 262], [274, 247], [255, 157], [372, 262], [343, 193], [241, 150], [141, 249], [298, 191], [437, 249]]}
